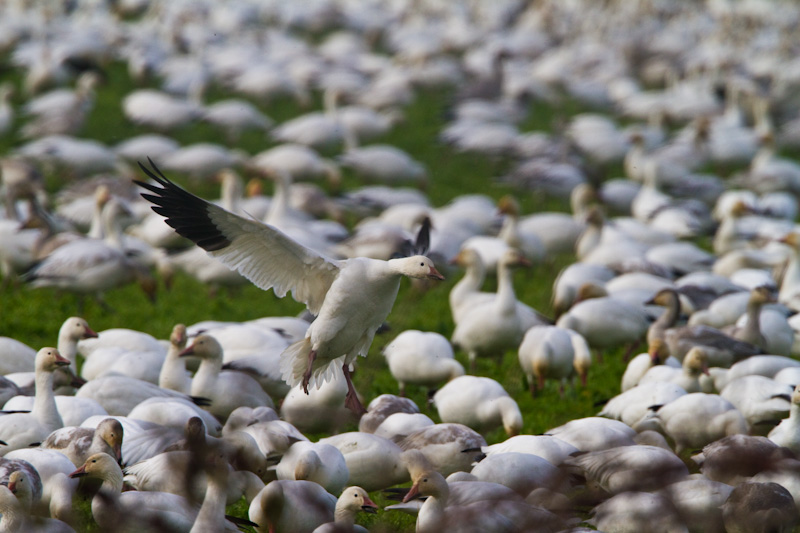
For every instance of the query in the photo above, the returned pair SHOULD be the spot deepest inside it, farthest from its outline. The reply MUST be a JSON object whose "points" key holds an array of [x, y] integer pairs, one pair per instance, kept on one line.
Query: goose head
{"points": [[353, 500], [417, 266], [20, 486], [178, 336], [508, 205], [761, 295], [101, 466], [48, 360], [76, 328], [665, 298], [427, 483], [658, 351], [513, 258], [510, 414], [110, 430], [466, 258], [589, 290], [204, 347], [791, 239], [696, 361]]}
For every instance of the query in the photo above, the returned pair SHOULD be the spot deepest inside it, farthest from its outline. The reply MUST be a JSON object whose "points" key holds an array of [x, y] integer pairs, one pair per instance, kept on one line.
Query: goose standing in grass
{"points": [[351, 298], [605, 321], [421, 358], [19, 430], [480, 403], [466, 294], [546, 352], [94, 266], [494, 326], [235, 116]]}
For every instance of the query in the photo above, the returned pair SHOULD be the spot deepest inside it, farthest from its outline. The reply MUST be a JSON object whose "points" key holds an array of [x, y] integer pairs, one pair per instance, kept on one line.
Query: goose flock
{"points": [[595, 204]]}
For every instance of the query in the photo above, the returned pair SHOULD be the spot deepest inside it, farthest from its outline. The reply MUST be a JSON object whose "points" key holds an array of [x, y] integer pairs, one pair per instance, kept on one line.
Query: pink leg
{"points": [[351, 401]]}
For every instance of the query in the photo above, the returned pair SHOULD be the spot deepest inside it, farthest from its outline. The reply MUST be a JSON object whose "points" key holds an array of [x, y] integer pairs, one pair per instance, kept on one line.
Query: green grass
{"points": [[34, 316]]}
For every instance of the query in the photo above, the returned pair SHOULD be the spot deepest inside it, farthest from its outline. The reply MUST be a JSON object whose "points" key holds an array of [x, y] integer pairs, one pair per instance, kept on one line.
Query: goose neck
{"points": [[669, 317], [44, 402], [751, 331], [212, 512], [344, 516], [506, 298]]}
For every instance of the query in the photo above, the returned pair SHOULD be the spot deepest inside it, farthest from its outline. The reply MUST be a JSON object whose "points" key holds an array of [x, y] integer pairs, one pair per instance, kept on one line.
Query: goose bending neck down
{"points": [[351, 298]]}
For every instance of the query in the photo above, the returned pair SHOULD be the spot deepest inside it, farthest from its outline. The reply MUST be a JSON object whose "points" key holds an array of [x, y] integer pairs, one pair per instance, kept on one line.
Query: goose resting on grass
{"points": [[350, 297]]}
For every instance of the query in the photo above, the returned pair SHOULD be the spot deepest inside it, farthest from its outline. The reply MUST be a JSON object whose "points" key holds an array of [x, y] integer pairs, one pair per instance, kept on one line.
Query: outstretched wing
{"points": [[422, 243], [259, 252]]}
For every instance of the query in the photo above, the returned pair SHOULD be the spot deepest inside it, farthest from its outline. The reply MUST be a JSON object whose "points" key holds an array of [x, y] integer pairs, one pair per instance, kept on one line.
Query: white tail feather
{"points": [[294, 362]]}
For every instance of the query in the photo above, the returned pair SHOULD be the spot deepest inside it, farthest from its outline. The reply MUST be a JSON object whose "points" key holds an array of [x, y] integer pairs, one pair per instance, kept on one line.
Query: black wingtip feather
{"points": [[185, 212]]}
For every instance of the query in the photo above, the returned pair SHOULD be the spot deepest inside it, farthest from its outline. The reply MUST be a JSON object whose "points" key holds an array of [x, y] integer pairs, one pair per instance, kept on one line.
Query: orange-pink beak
{"points": [[61, 360], [79, 472], [369, 506], [189, 350], [412, 493], [90, 333], [434, 274]]}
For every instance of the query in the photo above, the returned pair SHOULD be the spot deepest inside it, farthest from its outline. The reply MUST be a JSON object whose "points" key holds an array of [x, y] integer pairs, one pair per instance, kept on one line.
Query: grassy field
{"points": [[34, 316]]}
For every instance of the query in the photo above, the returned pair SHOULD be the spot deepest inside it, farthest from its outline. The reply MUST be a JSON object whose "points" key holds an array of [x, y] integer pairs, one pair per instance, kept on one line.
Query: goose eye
{"points": [[425, 480], [422, 264]]}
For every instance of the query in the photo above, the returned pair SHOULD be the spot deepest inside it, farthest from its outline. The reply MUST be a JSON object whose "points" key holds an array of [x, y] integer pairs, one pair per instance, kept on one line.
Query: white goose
{"points": [[786, 433], [227, 390], [78, 443], [93, 265], [234, 116], [173, 374], [489, 515], [466, 294], [317, 462], [19, 357], [421, 358], [152, 509], [57, 487], [480, 403], [694, 420], [288, 505], [15, 507], [321, 410], [19, 430], [626, 468], [271, 260], [159, 110], [350, 503], [300, 161], [689, 377], [374, 462], [495, 326], [546, 352]]}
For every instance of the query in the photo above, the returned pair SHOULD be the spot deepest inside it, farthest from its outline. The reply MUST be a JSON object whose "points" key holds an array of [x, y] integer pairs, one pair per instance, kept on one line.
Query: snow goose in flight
{"points": [[346, 318]]}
